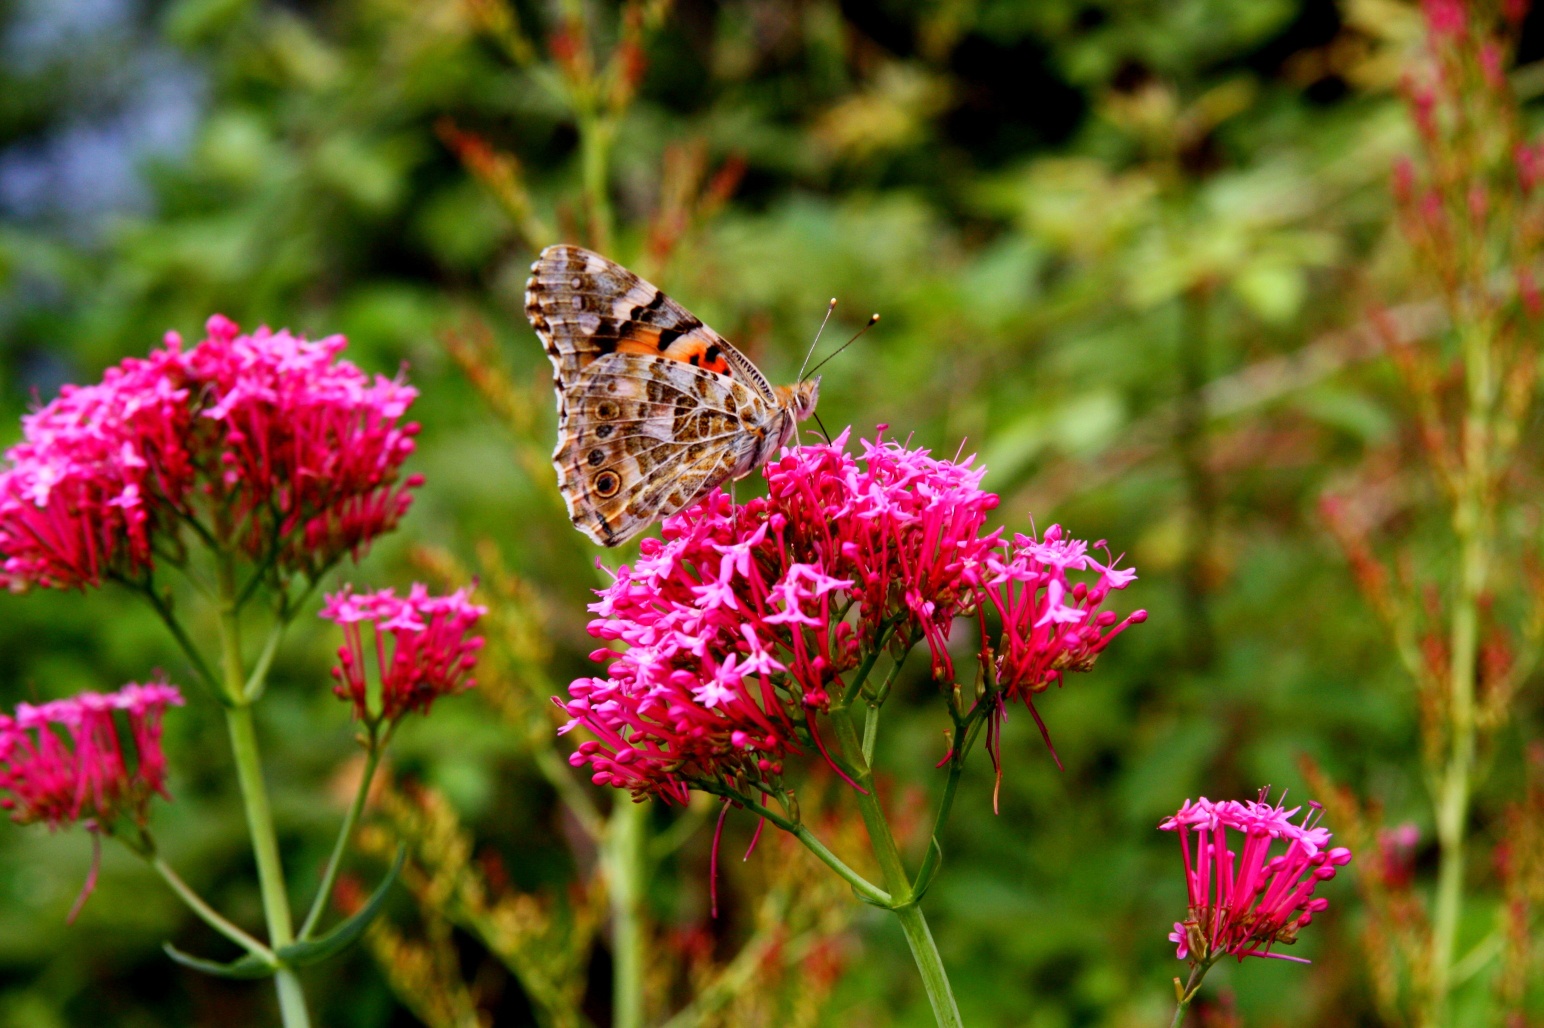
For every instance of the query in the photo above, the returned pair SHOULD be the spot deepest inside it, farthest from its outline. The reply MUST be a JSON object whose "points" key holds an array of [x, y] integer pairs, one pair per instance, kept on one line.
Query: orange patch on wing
{"points": [[688, 349]]}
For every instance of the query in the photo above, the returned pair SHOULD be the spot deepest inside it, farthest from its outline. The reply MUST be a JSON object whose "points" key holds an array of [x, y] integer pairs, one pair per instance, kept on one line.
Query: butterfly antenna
{"points": [[872, 321], [822, 425], [829, 308]]}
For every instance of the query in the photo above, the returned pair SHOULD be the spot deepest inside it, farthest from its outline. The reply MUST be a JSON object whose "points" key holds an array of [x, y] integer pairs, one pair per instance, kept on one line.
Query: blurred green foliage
{"points": [[1117, 246]]}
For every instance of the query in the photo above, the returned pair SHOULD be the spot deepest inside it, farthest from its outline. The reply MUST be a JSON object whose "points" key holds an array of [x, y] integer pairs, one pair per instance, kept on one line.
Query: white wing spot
{"points": [[589, 322], [578, 303]]}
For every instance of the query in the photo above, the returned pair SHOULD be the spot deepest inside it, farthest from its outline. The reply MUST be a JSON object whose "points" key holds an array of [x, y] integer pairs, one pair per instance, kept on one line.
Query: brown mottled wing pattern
{"points": [[645, 436], [654, 407]]}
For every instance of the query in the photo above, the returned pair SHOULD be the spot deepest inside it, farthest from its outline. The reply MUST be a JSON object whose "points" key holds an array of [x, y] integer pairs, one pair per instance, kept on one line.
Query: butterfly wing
{"points": [[584, 307], [644, 436]]}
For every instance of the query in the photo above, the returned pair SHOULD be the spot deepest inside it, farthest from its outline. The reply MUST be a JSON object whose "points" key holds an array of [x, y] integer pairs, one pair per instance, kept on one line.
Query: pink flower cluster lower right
{"points": [[1243, 901]]}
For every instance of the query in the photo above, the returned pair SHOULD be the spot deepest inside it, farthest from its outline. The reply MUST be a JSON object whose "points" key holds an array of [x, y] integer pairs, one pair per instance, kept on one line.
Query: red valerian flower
{"points": [[67, 760], [421, 644], [301, 447], [1244, 902], [266, 442], [740, 623], [1050, 625]]}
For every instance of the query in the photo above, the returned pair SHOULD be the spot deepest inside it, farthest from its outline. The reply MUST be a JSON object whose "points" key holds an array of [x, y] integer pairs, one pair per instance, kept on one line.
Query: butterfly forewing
{"points": [[585, 306]]}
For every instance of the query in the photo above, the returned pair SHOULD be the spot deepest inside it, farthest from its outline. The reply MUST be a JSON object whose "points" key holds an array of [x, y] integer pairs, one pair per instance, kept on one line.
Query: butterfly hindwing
{"points": [[644, 436]]}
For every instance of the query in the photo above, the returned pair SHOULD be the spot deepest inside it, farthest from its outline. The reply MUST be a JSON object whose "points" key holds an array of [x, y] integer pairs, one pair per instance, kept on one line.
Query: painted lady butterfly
{"points": [[654, 407]]}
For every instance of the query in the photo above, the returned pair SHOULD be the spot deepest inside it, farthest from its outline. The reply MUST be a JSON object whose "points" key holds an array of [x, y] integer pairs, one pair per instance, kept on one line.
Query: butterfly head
{"points": [[802, 398]]}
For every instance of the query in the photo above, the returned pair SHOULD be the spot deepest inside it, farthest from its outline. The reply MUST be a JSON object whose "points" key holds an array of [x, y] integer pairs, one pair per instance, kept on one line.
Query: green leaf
{"points": [[313, 951], [249, 966]]}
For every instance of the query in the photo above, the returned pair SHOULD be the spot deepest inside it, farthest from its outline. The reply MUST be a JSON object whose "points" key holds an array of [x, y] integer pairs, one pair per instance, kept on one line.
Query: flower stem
{"points": [[345, 833], [254, 796], [163, 610], [862, 886], [1186, 997], [902, 897], [625, 856], [929, 964], [206, 913], [265, 848]]}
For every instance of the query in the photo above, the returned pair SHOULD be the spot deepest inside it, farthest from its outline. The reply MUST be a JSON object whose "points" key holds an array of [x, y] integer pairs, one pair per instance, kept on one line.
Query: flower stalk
{"points": [[254, 799], [1186, 994], [375, 745], [626, 862], [903, 898]]}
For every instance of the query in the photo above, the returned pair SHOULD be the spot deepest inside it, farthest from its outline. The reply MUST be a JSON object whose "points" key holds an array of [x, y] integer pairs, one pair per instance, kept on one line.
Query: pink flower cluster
{"points": [[66, 760], [80, 495], [1050, 625], [740, 623], [422, 647], [1242, 903], [266, 441]]}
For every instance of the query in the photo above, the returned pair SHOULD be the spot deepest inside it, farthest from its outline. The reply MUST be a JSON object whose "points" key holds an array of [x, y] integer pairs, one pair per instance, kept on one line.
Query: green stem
{"points": [[595, 134], [861, 675], [902, 897], [254, 796], [208, 914], [870, 732], [1188, 995], [934, 850], [966, 730], [625, 858], [168, 618], [252, 688], [1471, 524], [862, 886], [345, 833], [929, 964]]}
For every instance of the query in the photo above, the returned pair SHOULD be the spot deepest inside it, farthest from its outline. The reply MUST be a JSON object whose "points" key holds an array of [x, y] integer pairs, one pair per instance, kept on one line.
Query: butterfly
{"points": [[654, 407]]}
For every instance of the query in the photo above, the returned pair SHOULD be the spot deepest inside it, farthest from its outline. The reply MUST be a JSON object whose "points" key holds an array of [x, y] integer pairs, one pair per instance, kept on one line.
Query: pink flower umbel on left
{"points": [[265, 442], [1245, 900], [420, 646], [250, 464]]}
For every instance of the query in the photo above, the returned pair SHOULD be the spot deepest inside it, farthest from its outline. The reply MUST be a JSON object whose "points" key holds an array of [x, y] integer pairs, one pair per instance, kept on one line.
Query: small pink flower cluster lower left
{"points": [[69, 760]]}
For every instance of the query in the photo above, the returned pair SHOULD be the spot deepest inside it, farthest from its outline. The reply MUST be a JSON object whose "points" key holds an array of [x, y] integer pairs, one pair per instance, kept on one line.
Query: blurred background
{"points": [[1123, 250]]}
